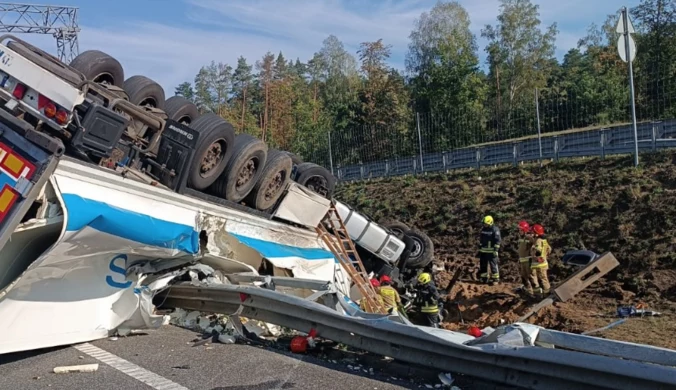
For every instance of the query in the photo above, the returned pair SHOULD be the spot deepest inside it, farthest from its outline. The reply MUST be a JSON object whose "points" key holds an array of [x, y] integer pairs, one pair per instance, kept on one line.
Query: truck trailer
{"points": [[108, 190]]}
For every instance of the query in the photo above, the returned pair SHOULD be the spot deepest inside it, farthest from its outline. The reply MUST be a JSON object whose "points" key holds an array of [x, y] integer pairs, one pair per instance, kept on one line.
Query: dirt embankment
{"points": [[584, 204]]}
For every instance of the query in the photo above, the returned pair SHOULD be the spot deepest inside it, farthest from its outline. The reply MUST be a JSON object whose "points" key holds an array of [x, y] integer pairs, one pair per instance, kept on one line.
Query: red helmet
{"points": [[524, 226], [538, 229], [375, 282], [385, 279]]}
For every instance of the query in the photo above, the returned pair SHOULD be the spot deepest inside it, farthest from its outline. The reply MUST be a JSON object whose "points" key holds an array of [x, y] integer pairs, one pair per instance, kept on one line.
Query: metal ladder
{"points": [[343, 248]]}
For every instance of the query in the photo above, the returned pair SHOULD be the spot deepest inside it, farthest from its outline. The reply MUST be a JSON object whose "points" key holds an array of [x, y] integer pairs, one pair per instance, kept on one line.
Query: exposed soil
{"points": [[599, 205]]}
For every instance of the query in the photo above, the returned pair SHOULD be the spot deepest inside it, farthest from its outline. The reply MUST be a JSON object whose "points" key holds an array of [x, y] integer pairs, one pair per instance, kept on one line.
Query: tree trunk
{"points": [[243, 106], [314, 107]]}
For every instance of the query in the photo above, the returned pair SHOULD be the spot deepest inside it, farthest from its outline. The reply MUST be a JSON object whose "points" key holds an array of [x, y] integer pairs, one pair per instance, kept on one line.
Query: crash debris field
{"points": [[594, 204]]}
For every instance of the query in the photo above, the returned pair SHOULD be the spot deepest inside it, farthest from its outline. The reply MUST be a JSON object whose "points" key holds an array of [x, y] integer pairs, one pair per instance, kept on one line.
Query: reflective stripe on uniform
{"points": [[429, 309], [495, 276], [524, 259]]}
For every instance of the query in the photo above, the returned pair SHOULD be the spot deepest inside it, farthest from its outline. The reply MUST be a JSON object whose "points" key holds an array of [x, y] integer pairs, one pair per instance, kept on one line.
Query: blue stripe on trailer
{"points": [[270, 249], [130, 225]]}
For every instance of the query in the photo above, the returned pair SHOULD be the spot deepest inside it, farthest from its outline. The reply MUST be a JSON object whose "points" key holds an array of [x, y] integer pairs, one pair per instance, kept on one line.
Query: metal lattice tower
{"points": [[59, 21]]}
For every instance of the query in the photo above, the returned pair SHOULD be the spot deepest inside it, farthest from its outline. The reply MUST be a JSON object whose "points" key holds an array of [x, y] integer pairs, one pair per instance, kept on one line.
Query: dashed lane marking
{"points": [[137, 372]]}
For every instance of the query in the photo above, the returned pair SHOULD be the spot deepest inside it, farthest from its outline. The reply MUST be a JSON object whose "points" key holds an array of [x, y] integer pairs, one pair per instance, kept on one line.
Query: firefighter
{"points": [[391, 298], [376, 286], [427, 299], [526, 242], [489, 245], [539, 266]]}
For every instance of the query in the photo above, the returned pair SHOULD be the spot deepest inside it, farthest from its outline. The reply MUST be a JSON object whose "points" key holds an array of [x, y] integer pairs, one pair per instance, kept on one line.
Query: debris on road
{"points": [[79, 368]]}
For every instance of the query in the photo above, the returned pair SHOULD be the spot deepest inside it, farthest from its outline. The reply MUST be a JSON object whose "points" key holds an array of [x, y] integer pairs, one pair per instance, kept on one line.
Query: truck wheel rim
{"points": [[104, 78], [184, 120], [274, 185], [317, 184], [211, 158], [247, 172], [148, 102], [417, 248]]}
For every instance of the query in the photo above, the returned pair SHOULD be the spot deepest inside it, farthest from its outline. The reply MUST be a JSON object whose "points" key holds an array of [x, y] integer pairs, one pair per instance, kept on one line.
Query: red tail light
{"points": [[42, 102], [50, 110], [19, 91], [61, 117]]}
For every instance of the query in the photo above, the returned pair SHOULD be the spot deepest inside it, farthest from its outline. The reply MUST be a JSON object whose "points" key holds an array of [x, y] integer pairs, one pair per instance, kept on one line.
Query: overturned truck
{"points": [[106, 186]]}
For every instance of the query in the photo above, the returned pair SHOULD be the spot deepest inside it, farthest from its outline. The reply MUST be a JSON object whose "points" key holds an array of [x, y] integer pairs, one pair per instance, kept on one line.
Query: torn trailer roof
{"points": [[97, 250]]}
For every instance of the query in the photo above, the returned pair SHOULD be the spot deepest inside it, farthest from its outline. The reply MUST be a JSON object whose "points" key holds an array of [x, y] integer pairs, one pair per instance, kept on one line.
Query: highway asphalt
{"points": [[169, 353]]}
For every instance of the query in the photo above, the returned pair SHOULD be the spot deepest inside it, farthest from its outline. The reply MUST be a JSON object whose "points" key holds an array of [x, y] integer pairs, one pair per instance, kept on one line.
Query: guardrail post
{"points": [[478, 158], [443, 160], [556, 148], [603, 143], [654, 136], [387, 168], [361, 171], [415, 165], [515, 153]]}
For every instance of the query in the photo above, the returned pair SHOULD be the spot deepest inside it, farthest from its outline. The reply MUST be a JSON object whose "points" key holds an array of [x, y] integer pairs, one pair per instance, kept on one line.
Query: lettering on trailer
{"points": [[6, 58], [12, 168], [121, 271]]}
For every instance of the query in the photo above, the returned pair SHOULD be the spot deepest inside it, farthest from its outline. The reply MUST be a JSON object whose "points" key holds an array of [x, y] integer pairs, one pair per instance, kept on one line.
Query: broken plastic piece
{"points": [[299, 344], [79, 368], [446, 378]]}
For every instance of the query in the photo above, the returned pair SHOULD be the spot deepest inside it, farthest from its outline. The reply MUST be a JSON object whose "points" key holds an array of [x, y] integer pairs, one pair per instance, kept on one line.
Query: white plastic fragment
{"points": [[166, 320], [226, 339], [79, 368], [203, 323], [446, 378]]}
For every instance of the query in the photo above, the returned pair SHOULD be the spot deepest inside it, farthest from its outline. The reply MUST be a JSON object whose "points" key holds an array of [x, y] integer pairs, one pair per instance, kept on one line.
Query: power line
{"points": [[60, 22]]}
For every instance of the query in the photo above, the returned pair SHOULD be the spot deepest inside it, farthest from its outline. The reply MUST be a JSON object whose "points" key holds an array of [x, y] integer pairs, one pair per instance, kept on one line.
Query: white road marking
{"points": [[137, 372]]}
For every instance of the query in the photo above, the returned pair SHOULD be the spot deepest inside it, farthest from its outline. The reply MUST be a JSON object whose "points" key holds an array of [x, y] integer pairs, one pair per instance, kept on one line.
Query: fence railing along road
{"points": [[652, 136]]}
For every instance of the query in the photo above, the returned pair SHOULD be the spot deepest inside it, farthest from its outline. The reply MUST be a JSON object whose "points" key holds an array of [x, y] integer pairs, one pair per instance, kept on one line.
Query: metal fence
{"points": [[652, 136]]}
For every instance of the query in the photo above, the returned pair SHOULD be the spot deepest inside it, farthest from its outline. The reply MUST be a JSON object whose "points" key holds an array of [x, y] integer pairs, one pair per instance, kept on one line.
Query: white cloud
{"points": [[223, 30]]}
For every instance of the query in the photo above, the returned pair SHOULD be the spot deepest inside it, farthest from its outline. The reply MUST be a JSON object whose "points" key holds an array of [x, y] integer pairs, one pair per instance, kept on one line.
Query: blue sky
{"points": [[168, 40]]}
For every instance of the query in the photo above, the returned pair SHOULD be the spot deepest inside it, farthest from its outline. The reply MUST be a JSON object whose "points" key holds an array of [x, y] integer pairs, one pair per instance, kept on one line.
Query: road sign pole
{"points": [[629, 55]]}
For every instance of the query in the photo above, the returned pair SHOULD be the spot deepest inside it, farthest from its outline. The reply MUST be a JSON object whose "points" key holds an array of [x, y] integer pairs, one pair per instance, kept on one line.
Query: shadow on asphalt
{"points": [[18, 356]]}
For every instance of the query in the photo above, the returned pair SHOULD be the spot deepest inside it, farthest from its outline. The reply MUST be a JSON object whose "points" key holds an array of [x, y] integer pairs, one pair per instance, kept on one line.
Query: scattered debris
{"points": [[446, 378], [611, 325], [182, 367], [79, 368], [636, 311]]}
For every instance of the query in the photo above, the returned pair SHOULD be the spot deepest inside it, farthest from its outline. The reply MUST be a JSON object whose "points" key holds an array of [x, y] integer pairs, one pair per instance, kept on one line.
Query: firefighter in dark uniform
{"points": [[427, 299], [489, 246]]}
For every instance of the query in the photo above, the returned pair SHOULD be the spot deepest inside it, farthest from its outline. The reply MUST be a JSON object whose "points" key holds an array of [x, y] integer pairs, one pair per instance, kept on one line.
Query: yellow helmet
{"points": [[424, 278], [488, 220]]}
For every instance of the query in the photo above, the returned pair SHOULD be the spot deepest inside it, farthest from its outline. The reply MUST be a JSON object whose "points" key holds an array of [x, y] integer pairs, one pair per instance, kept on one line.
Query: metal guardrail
{"points": [[652, 136], [526, 367]]}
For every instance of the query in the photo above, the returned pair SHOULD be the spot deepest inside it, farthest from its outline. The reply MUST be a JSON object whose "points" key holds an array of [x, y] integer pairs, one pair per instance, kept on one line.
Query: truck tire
{"points": [[213, 150], [317, 179], [99, 67], [244, 168], [295, 159], [398, 228], [272, 182], [143, 91], [181, 110], [423, 249]]}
